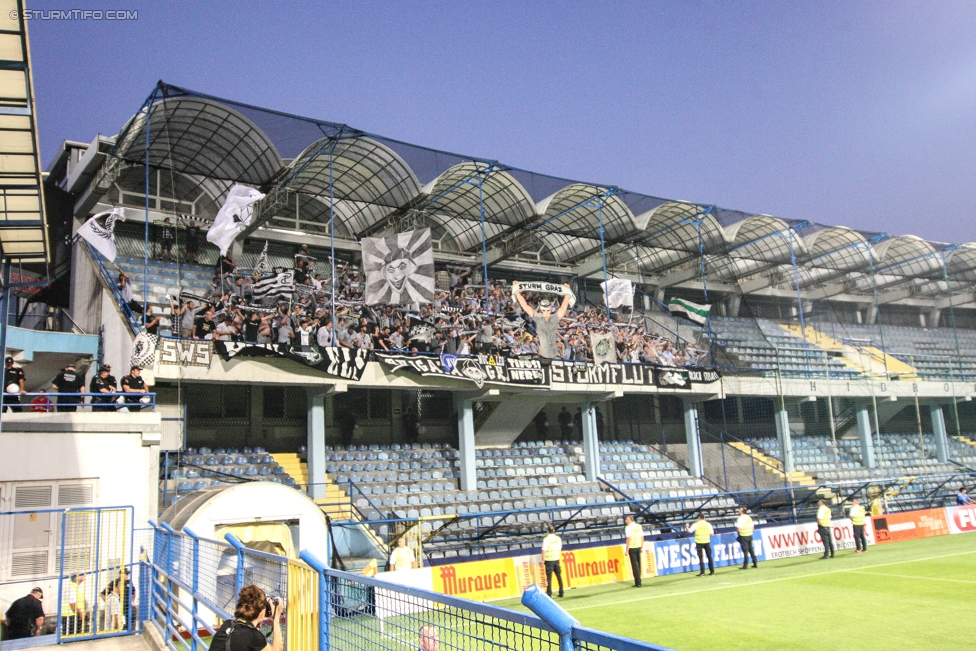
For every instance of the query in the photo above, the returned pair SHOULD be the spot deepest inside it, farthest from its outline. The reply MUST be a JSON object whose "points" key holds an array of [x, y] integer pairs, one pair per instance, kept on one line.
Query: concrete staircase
{"points": [[863, 359], [335, 504], [774, 466]]}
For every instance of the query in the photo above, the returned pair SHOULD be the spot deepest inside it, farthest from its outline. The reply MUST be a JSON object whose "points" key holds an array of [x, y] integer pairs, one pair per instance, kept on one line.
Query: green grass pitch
{"points": [[914, 595]]}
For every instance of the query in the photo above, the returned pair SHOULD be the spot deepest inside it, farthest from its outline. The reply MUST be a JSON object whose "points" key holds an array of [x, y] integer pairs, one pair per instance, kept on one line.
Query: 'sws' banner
{"points": [[347, 363], [480, 370], [803, 539], [681, 554]]}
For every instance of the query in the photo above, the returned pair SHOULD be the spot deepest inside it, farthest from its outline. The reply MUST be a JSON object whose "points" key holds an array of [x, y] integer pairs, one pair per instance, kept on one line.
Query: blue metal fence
{"points": [[195, 582]]}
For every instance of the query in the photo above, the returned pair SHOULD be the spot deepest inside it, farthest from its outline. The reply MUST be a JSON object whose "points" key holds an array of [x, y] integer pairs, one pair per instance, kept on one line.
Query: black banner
{"points": [[347, 363], [590, 373], [483, 369], [682, 378]]}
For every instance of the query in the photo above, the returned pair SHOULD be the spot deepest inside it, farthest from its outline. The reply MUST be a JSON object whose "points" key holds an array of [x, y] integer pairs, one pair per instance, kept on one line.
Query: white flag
{"points": [[102, 237], [233, 217], [618, 292], [691, 311], [604, 348]]}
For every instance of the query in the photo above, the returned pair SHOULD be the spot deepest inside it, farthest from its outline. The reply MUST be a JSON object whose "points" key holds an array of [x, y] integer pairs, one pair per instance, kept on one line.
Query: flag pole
{"points": [[145, 259]]}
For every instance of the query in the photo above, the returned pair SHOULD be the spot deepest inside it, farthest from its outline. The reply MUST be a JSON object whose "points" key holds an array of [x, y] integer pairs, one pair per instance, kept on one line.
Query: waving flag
{"points": [[102, 236], [263, 266], [691, 311], [233, 217], [279, 285], [618, 292]]}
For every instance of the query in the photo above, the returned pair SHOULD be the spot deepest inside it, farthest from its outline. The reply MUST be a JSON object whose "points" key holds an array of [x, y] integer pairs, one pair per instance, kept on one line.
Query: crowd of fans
{"points": [[463, 318]]}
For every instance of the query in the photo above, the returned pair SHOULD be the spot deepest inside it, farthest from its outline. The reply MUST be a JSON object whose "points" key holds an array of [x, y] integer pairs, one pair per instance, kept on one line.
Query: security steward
{"points": [[552, 547], [857, 513], [13, 378], [103, 382], [703, 531], [744, 526], [133, 383], [635, 546], [823, 528], [68, 381], [25, 617]]}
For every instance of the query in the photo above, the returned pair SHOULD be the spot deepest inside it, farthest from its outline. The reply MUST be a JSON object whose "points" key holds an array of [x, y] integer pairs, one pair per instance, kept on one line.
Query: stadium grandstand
{"points": [[445, 349]]}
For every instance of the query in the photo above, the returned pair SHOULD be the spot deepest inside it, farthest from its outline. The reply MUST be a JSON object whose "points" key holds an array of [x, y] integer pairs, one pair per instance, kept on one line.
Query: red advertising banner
{"points": [[909, 525]]}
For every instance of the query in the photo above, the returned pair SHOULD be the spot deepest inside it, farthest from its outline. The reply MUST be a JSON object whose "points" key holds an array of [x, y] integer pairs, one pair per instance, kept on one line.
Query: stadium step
{"points": [[966, 440], [864, 359], [774, 466], [293, 465]]}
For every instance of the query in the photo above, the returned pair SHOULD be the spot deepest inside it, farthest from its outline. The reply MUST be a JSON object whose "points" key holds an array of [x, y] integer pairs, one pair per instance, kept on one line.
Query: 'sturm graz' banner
{"points": [[484, 369]]}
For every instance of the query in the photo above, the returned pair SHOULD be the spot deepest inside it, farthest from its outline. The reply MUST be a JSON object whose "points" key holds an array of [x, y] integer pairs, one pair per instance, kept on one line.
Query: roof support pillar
{"points": [[465, 421], [693, 438], [784, 437], [315, 445], [939, 430], [864, 434], [591, 442]]}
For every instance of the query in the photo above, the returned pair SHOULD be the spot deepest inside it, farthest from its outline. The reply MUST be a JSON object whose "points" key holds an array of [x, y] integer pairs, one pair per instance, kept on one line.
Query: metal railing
{"points": [[41, 402], [195, 583]]}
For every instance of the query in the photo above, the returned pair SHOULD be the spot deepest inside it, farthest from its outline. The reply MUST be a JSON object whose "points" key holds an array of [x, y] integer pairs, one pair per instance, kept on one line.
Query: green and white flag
{"points": [[691, 311]]}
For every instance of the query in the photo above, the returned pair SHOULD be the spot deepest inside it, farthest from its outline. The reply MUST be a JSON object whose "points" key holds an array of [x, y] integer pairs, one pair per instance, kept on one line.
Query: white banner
{"points": [[543, 288], [802, 539], [391, 604], [233, 217], [604, 347], [962, 519]]}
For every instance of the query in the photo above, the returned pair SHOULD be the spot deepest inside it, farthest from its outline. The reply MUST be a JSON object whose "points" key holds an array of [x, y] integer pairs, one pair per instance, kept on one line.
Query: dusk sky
{"points": [[861, 114]]}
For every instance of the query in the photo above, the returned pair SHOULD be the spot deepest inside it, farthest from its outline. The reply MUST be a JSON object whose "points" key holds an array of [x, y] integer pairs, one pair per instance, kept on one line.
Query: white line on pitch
{"points": [[906, 576], [748, 585]]}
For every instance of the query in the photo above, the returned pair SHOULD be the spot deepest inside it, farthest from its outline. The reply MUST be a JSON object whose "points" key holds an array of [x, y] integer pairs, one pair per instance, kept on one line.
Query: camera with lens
{"points": [[271, 603]]}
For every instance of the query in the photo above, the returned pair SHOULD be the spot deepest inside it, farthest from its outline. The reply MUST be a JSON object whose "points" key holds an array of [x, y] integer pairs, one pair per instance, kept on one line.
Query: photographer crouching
{"points": [[241, 633]]}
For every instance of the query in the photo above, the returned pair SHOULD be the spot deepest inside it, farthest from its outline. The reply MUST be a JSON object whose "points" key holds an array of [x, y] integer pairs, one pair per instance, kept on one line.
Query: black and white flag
{"points": [[281, 284], [263, 266], [348, 363], [144, 350], [233, 217], [399, 268], [102, 236]]}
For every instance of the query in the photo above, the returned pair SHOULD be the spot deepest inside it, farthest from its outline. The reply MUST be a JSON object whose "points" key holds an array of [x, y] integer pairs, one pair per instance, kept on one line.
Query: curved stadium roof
{"points": [[373, 180]]}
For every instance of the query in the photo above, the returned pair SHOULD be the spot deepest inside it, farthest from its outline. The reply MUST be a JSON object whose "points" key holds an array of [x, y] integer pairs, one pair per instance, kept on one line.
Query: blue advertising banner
{"points": [[680, 554]]}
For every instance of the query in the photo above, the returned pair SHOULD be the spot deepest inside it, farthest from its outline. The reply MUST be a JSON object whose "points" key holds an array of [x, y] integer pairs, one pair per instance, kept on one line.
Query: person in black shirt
{"points": [[167, 235], [251, 327], [68, 381], [152, 321], [205, 327], [103, 382], [133, 383], [241, 633], [25, 616], [12, 375], [192, 240]]}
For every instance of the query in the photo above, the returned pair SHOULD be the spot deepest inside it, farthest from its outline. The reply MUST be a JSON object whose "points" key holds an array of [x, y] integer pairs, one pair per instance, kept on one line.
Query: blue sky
{"points": [[861, 114]]}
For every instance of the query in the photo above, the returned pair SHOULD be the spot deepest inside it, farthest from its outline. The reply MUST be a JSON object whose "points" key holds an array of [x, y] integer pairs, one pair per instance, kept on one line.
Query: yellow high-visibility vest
{"points": [[552, 546], [703, 532], [68, 596], [402, 558], [744, 525], [857, 515], [823, 516], [635, 535]]}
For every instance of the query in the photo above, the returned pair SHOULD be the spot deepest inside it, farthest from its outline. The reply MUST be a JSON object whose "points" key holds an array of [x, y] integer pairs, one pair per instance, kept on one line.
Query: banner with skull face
{"points": [[399, 268]]}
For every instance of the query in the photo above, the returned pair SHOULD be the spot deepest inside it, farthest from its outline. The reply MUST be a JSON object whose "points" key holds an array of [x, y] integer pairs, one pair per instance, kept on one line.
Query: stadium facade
{"points": [[826, 361]]}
